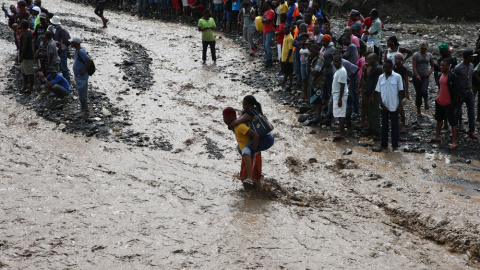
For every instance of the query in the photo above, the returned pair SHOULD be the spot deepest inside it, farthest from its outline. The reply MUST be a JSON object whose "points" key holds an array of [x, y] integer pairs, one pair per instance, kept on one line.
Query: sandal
{"points": [[433, 140], [338, 138], [452, 146]]}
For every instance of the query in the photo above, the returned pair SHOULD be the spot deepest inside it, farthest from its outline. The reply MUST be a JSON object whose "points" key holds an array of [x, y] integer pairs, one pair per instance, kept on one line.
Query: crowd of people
{"points": [[352, 75], [342, 76], [43, 49]]}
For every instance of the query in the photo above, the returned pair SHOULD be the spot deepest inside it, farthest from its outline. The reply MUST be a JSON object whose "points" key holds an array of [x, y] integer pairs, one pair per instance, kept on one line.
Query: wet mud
{"points": [[107, 203]]}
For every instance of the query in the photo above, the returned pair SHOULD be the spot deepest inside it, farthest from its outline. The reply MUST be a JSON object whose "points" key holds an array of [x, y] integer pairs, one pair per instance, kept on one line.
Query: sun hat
{"points": [[55, 20]]}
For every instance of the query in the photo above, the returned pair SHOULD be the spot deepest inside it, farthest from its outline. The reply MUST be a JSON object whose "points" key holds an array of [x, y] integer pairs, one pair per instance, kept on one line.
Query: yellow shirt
{"points": [[287, 45], [284, 8], [241, 134]]}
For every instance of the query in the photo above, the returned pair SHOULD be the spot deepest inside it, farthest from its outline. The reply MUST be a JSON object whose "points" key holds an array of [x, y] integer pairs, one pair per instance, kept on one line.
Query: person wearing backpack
{"points": [[81, 66]]}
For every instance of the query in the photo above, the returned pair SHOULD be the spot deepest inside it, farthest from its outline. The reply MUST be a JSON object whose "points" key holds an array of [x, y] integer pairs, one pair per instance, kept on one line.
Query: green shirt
{"points": [[207, 35]]}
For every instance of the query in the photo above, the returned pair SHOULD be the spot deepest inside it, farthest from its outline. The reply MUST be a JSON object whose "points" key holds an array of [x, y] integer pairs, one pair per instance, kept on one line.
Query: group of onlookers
{"points": [[43, 47]]}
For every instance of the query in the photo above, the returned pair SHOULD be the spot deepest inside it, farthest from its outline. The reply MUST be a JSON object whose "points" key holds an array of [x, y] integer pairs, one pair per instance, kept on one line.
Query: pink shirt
{"points": [[443, 97], [361, 61]]}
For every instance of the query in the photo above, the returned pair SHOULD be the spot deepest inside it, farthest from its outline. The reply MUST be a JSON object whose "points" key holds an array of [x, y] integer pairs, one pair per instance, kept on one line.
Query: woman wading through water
{"points": [[249, 142]]}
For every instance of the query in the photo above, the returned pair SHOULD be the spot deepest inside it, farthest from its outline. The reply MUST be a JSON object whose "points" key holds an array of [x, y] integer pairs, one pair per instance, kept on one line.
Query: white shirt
{"points": [[340, 76], [389, 88]]}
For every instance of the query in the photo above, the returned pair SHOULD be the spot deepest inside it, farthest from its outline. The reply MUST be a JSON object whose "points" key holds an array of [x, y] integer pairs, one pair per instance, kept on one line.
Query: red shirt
{"points": [[268, 27], [443, 97], [281, 34]]}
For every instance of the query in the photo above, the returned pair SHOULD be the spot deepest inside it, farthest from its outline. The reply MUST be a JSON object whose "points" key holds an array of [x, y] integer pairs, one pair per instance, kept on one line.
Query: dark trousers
{"points": [[373, 115], [421, 90], [393, 117], [469, 99], [212, 50]]}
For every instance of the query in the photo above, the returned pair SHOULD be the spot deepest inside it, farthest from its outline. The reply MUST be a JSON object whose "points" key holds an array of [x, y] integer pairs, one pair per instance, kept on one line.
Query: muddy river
{"points": [[99, 202]]}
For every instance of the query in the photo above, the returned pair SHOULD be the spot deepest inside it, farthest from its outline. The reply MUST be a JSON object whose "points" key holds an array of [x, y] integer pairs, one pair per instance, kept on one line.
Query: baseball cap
{"points": [[467, 53], [51, 70], [374, 12], [43, 15], [444, 47], [354, 12], [76, 40]]}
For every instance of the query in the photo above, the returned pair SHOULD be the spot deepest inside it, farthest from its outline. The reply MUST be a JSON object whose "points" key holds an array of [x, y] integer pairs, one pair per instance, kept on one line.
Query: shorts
{"points": [[287, 68], [27, 67], [304, 71], [185, 3], [218, 7], [445, 113], [340, 111], [100, 7]]}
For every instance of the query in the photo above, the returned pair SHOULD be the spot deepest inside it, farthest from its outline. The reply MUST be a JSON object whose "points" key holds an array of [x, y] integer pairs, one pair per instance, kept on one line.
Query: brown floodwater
{"points": [[71, 202]]}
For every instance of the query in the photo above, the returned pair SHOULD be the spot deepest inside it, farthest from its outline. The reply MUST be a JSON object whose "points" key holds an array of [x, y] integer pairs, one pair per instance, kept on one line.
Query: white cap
{"points": [[76, 40], [37, 9], [55, 20]]}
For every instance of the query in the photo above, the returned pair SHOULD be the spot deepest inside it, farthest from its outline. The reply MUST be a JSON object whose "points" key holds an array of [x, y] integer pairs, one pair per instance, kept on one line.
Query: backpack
{"points": [[91, 70]]}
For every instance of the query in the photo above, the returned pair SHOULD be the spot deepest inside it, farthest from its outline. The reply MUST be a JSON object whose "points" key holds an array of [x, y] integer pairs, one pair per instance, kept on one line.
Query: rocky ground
{"points": [[145, 182]]}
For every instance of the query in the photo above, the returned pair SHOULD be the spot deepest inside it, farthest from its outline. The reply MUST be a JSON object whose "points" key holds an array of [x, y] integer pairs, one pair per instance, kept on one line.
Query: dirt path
{"points": [[70, 201]]}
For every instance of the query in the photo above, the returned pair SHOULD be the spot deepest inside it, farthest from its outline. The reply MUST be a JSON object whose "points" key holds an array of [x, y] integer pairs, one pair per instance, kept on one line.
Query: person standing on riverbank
{"points": [[464, 73], [62, 38], [26, 56], [372, 100], [340, 95], [445, 103], [81, 64], [422, 69], [268, 31], [390, 91], [206, 26], [52, 53], [375, 33]]}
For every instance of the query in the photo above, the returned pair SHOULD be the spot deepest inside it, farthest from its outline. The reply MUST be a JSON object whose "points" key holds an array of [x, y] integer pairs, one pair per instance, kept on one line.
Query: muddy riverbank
{"points": [[98, 202]]}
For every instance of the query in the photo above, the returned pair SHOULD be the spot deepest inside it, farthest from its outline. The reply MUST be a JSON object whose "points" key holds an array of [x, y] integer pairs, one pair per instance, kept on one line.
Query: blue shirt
{"points": [[59, 79], [237, 5], [80, 63], [290, 12]]}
